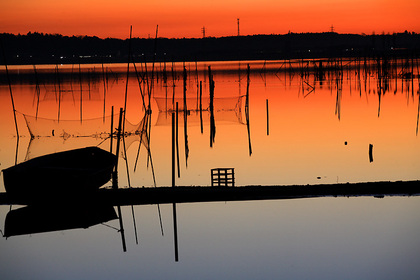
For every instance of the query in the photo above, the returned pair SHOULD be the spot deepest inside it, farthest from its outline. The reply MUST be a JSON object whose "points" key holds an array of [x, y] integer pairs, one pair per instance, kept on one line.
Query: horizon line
{"points": [[214, 37]]}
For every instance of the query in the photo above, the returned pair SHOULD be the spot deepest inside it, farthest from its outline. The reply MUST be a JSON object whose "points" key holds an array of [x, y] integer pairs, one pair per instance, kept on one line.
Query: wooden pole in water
{"points": [[175, 231], [117, 152], [164, 74], [121, 228], [10, 90], [59, 93], [103, 77], [176, 140], [173, 85], [268, 127], [88, 77], [185, 118], [139, 82], [115, 180], [112, 129], [212, 122], [129, 185], [370, 152], [153, 66], [173, 148], [412, 75], [247, 87], [38, 92], [128, 72], [81, 94], [126, 162], [201, 106], [247, 110], [196, 75], [173, 185], [418, 114], [185, 89]]}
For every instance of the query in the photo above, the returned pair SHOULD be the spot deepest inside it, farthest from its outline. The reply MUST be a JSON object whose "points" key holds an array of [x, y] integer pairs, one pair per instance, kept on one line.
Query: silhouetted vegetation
{"points": [[38, 48]]}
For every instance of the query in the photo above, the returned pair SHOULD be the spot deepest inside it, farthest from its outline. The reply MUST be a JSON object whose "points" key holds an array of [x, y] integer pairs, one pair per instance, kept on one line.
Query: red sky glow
{"points": [[185, 18]]}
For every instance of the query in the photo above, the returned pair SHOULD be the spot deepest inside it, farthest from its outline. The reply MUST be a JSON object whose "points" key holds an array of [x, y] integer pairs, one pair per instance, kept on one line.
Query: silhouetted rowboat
{"points": [[75, 171], [39, 219]]}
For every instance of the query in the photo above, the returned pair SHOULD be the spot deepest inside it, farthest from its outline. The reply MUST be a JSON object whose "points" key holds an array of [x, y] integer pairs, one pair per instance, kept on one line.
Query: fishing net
{"points": [[40, 146], [226, 110], [96, 127], [193, 104], [50, 136], [194, 118]]}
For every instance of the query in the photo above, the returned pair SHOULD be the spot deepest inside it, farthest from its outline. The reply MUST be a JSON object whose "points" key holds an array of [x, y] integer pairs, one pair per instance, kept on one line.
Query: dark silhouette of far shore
{"points": [[38, 48]]}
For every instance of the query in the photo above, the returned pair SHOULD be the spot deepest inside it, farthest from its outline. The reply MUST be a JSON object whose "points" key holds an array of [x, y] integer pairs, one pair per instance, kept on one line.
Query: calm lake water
{"points": [[318, 129]]}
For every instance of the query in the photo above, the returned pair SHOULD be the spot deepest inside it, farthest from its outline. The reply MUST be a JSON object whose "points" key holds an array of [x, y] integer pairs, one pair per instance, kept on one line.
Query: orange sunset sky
{"points": [[185, 18]]}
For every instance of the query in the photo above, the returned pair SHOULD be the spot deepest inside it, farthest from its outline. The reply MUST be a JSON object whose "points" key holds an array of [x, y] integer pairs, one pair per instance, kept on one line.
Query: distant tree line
{"points": [[39, 48]]}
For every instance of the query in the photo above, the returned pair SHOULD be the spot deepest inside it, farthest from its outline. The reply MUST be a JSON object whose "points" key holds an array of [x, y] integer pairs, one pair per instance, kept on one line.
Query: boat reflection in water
{"points": [[42, 218], [76, 171], [63, 180]]}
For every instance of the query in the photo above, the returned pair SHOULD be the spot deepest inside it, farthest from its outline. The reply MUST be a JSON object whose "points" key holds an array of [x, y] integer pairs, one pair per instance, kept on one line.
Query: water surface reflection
{"points": [[323, 118]]}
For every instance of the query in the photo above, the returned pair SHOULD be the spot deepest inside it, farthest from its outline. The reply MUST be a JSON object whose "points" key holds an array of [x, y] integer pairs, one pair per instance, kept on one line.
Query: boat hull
{"points": [[83, 169]]}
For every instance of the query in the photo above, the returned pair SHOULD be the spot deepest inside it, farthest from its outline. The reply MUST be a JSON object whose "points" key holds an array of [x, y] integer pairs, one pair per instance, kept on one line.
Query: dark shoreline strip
{"points": [[191, 194]]}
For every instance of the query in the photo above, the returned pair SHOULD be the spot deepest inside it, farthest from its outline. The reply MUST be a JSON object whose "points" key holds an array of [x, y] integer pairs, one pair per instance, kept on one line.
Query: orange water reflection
{"points": [[319, 129]]}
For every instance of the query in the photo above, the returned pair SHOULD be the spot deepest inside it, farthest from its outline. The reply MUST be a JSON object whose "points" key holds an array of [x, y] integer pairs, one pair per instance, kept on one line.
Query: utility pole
{"points": [[238, 25]]}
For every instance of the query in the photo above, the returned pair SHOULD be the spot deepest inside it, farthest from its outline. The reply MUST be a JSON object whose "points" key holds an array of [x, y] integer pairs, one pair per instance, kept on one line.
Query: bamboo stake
{"points": [[129, 185], [10, 89], [153, 65], [126, 84], [247, 111], [149, 109], [117, 152], [212, 122], [38, 92], [103, 77], [418, 113], [177, 145], [196, 75], [138, 150], [17, 149], [126, 162], [154, 180], [81, 94], [112, 129], [139, 82], [121, 228], [165, 77], [185, 118], [412, 75], [201, 107], [115, 180], [59, 93], [173, 148], [173, 85], [88, 77], [268, 127], [173, 185], [144, 129], [175, 232]]}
